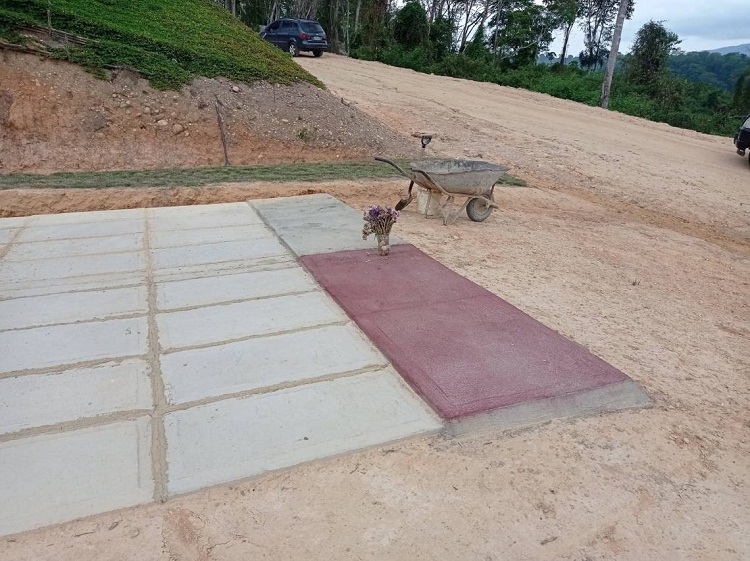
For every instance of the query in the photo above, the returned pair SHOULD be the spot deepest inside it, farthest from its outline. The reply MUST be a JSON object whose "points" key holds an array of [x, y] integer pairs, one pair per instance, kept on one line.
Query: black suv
{"points": [[295, 35]]}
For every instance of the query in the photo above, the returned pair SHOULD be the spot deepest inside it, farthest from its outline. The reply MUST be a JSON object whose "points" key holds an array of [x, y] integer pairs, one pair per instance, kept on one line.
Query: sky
{"points": [[701, 24]]}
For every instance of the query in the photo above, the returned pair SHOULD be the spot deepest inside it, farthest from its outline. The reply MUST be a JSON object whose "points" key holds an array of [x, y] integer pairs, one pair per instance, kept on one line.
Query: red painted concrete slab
{"points": [[463, 348]]}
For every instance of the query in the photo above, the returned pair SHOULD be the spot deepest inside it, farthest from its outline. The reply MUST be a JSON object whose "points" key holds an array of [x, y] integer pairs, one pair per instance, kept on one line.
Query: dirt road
{"points": [[634, 244]]}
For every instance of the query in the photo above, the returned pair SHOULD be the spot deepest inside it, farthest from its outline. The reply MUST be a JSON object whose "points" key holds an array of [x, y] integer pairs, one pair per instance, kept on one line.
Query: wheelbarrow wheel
{"points": [[479, 209]]}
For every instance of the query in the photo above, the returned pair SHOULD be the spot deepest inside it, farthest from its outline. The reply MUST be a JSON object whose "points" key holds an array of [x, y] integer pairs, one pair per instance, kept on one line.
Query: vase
{"points": [[384, 244]]}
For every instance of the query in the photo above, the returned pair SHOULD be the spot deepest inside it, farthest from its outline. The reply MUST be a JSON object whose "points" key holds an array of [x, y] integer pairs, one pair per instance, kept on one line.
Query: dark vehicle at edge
{"points": [[296, 35], [742, 138]]}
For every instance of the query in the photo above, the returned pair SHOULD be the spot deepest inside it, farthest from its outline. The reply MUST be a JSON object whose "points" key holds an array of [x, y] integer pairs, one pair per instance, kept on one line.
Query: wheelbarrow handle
{"points": [[379, 159]]}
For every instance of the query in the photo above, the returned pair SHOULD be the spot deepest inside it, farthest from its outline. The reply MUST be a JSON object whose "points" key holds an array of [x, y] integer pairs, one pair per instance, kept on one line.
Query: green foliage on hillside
{"points": [[168, 41], [721, 71]]}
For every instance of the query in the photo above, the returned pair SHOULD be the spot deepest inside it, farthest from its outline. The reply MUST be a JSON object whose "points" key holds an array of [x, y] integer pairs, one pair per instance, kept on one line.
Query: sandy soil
{"points": [[633, 241]]}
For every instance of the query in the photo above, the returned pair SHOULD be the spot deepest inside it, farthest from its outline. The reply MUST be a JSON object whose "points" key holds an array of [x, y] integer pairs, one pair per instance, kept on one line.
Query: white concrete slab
{"points": [[76, 230], [15, 222], [267, 361], [223, 268], [208, 254], [202, 217], [214, 324], [238, 286], [220, 209], [51, 270], [237, 438], [47, 399], [86, 217], [72, 307], [75, 247], [42, 286], [6, 235], [179, 238], [58, 477], [44, 347]]}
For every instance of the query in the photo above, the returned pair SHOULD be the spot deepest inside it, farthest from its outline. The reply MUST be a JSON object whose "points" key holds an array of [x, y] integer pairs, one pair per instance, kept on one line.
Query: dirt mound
{"points": [[54, 116]]}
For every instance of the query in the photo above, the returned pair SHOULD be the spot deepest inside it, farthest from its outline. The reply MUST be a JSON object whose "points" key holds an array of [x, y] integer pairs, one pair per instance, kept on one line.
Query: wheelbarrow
{"points": [[474, 180]]}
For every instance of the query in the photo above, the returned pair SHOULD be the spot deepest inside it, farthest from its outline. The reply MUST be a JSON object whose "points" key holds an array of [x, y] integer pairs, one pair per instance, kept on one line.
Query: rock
{"points": [[235, 89], [177, 128], [284, 120], [162, 122], [147, 110]]}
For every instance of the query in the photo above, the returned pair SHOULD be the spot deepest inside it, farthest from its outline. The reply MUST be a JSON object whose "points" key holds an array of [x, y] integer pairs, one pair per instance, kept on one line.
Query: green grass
{"points": [[195, 177], [168, 41]]}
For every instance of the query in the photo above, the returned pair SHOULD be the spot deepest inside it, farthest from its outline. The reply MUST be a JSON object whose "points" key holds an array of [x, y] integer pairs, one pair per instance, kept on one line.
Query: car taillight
{"points": [[304, 36]]}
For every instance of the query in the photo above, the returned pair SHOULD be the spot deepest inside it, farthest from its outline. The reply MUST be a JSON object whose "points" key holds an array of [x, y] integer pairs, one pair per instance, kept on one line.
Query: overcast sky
{"points": [[701, 24]]}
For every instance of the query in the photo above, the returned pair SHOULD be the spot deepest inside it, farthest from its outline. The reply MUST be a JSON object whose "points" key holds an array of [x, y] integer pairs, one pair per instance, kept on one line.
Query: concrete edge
{"points": [[618, 396]]}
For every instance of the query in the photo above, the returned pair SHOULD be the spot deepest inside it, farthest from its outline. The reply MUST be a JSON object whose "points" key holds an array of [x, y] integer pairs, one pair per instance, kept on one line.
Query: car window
{"points": [[288, 26], [274, 26], [747, 123], [311, 27]]}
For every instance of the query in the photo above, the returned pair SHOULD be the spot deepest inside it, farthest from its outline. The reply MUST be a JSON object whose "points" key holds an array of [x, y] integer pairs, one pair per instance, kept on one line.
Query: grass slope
{"points": [[168, 41]]}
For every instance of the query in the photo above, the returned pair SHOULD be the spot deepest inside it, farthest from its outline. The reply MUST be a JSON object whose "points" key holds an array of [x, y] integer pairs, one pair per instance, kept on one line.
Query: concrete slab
{"points": [[13, 223], [216, 324], [6, 235], [58, 477], [202, 217], [314, 224], [77, 230], [86, 217], [46, 399], [191, 211], [52, 270], [228, 288], [72, 307], [266, 362], [59, 345], [463, 348], [41, 286], [287, 427], [223, 268], [180, 238], [75, 247], [209, 254]]}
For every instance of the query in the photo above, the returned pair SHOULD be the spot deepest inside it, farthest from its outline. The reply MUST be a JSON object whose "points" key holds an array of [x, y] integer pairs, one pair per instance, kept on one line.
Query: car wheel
{"points": [[317, 53], [293, 49]]}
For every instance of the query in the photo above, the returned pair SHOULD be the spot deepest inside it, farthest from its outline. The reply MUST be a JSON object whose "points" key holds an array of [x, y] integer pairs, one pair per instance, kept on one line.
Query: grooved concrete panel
{"points": [[6, 235], [58, 477], [288, 427], [50, 270], [208, 254], [75, 230], [76, 218], [72, 307], [202, 217], [47, 399], [259, 363], [43, 347], [315, 224], [12, 223], [75, 247], [463, 348], [214, 324], [180, 238], [226, 288]]}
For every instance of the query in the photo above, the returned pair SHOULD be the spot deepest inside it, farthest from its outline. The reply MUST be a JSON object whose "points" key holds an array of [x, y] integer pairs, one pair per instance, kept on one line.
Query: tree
{"points": [[598, 19], [521, 32], [742, 92], [563, 15], [649, 58], [607, 84], [410, 26]]}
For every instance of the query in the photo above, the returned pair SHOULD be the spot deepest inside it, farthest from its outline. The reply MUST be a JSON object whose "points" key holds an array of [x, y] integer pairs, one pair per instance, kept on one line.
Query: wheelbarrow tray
{"points": [[457, 177]]}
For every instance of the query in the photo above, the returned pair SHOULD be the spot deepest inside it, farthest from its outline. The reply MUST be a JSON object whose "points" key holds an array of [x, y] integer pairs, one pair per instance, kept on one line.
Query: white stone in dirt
{"points": [[57, 477], [266, 361], [47, 399], [237, 286], [177, 128], [59, 345], [17, 313], [288, 427], [215, 324], [162, 122]]}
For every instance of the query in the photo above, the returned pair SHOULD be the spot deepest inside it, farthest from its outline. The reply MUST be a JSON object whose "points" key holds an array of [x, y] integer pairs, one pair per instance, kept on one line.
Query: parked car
{"points": [[296, 35], [742, 138]]}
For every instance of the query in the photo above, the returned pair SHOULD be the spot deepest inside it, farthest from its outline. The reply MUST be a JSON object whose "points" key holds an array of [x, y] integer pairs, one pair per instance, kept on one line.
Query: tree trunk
{"points": [[607, 84], [565, 44], [356, 17]]}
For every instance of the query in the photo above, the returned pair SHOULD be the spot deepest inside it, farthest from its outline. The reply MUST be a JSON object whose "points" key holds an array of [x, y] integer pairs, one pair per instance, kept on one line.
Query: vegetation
{"points": [[168, 41], [195, 177]]}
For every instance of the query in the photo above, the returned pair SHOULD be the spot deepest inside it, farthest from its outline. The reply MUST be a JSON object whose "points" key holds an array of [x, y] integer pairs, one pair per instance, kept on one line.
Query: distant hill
{"points": [[742, 49]]}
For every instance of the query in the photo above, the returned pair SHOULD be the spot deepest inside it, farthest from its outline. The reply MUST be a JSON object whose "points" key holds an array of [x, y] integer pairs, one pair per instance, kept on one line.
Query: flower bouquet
{"points": [[379, 221]]}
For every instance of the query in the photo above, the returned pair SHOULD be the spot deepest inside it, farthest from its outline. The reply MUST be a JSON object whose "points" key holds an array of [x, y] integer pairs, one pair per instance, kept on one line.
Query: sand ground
{"points": [[631, 240]]}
